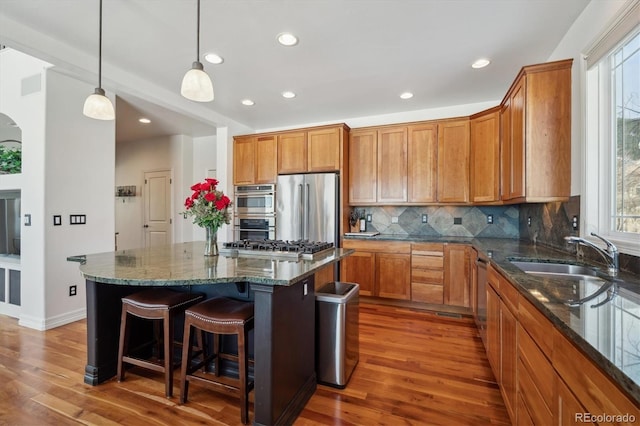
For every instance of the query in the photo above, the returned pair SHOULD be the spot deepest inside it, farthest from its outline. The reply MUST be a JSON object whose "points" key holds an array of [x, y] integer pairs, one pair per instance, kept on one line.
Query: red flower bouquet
{"points": [[208, 206]]}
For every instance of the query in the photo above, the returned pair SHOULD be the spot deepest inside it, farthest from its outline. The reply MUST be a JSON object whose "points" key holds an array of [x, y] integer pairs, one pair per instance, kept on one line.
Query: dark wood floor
{"points": [[415, 368]]}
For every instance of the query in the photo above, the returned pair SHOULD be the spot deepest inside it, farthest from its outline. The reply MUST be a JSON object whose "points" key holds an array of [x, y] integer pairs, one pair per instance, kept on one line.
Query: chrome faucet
{"points": [[610, 254]]}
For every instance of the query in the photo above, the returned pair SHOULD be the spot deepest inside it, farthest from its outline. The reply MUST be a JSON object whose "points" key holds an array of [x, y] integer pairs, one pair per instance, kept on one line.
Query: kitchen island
{"points": [[283, 341]]}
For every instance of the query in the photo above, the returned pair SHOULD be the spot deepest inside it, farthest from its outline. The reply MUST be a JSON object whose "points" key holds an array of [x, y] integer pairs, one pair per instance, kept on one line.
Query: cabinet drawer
{"points": [[537, 325], [540, 373], [378, 246], [428, 249], [532, 406], [427, 293], [509, 295], [427, 262], [595, 391], [427, 276]]}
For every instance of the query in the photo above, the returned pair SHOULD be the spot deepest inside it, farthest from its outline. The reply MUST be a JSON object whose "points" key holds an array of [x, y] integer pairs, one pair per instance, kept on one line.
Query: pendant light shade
{"points": [[97, 105], [196, 84]]}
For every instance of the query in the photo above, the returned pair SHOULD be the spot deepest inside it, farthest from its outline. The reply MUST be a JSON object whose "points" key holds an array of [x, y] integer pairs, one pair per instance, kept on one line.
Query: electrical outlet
{"points": [[394, 219], [574, 223], [529, 221], [369, 218], [489, 219], [424, 218], [73, 290], [457, 221]]}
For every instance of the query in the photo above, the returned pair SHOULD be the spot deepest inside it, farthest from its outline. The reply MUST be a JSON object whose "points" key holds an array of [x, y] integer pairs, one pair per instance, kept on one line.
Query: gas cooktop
{"points": [[301, 249]]}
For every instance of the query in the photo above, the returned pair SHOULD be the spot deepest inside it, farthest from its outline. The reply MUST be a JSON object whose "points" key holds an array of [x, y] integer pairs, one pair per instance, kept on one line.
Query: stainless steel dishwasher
{"points": [[481, 297]]}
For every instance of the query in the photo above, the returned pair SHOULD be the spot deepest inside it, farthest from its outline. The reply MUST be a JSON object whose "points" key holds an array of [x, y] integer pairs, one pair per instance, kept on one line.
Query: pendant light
{"points": [[97, 105], [196, 84]]}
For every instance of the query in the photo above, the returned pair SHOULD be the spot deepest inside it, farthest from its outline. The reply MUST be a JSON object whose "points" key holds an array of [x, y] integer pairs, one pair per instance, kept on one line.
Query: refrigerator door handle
{"points": [[301, 211], [307, 212]]}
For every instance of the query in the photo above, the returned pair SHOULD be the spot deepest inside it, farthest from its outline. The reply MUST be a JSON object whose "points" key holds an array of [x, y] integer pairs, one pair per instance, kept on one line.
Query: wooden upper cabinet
{"points": [[244, 157], [363, 161], [392, 165], [453, 161], [254, 160], [536, 139], [323, 150], [485, 156], [266, 164], [292, 153], [422, 167], [513, 162]]}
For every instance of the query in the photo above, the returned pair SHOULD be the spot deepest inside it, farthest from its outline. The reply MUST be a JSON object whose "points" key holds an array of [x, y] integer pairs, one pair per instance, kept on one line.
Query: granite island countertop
{"points": [[185, 264], [605, 333]]}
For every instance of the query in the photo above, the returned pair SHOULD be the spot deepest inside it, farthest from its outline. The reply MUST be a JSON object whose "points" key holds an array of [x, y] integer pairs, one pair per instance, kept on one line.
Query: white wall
{"points": [[78, 179], [132, 159], [29, 113], [68, 167], [593, 21]]}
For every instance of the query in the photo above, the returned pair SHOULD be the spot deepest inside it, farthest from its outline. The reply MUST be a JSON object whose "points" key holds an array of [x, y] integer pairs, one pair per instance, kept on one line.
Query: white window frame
{"points": [[599, 154]]}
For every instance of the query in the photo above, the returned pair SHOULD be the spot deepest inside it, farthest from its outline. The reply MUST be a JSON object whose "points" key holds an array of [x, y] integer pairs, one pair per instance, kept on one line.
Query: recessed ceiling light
{"points": [[248, 102], [287, 39], [213, 58], [144, 120], [288, 95], [406, 95], [480, 63]]}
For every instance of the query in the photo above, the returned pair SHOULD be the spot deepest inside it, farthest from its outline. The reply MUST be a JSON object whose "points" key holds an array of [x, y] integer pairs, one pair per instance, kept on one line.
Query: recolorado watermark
{"points": [[604, 418]]}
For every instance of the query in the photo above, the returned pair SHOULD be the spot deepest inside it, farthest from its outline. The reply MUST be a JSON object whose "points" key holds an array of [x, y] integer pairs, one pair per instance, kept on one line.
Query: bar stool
{"points": [[218, 316], [156, 304]]}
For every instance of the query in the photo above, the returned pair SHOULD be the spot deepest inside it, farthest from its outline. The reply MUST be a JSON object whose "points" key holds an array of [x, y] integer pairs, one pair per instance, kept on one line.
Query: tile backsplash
{"points": [[448, 221], [551, 222], [546, 224]]}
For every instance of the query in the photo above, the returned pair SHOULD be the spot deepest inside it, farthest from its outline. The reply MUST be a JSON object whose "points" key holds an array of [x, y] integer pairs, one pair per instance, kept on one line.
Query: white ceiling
{"points": [[354, 57]]}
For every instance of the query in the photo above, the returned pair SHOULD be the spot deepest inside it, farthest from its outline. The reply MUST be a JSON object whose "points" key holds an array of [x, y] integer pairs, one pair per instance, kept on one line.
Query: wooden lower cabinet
{"points": [[381, 268], [457, 275], [360, 268], [544, 378], [427, 272], [393, 275]]}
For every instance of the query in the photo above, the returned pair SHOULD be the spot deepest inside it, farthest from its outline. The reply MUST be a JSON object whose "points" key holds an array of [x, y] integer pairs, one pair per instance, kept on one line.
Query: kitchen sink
{"points": [[564, 270]]}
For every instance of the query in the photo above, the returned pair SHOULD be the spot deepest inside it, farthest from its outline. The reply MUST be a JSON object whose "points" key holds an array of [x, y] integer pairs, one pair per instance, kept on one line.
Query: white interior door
{"points": [[157, 208]]}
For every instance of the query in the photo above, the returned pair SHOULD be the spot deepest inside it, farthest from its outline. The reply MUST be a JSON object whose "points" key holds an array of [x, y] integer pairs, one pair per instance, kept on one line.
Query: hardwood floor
{"points": [[415, 368]]}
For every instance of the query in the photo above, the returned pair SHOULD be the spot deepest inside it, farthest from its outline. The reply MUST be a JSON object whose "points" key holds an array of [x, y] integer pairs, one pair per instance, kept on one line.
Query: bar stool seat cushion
{"points": [[222, 311], [159, 298]]}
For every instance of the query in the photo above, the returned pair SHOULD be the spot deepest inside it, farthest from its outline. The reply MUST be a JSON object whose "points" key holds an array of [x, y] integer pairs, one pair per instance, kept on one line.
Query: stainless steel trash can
{"points": [[337, 333]]}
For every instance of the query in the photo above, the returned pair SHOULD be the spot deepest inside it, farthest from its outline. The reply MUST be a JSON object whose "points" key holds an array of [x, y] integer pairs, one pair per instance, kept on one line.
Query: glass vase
{"points": [[211, 242]]}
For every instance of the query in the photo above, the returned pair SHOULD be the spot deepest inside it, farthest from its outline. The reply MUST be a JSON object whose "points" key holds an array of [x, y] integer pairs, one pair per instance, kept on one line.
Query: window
{"points": [[612, 153]]}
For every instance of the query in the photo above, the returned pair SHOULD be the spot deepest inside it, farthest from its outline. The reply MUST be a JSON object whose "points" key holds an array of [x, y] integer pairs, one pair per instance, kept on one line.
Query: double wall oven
{"points": [[255, 214]]}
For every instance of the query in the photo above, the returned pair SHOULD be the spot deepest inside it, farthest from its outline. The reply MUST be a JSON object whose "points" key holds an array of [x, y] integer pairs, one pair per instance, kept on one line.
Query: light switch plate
{"points": [[394, 219], [27, 219]]}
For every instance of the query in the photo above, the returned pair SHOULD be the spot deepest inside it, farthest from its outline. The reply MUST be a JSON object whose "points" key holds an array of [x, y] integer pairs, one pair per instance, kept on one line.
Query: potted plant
{"points": [[10, 160]]}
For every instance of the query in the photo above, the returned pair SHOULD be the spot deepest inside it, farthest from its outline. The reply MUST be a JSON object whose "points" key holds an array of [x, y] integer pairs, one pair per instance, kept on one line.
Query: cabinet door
{"points": [[393, 275], [517, 142], [363, 161], [266, 159], [422, 167], [453, 161], [456, 275], [360, 268], [244, 155], [323, 150], [493, 331], [485, 158], [292, 153], [392, 165], [508, 358], [505, 150], [568, 406]]}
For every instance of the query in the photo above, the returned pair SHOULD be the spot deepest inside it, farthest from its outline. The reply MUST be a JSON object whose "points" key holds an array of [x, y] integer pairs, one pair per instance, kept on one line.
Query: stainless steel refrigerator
{"points": [[307, 207]]}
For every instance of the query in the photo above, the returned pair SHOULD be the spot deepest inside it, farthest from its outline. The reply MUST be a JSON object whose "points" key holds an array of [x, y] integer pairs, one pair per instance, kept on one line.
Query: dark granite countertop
{"points": [[185, 264], [609, 334]]}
